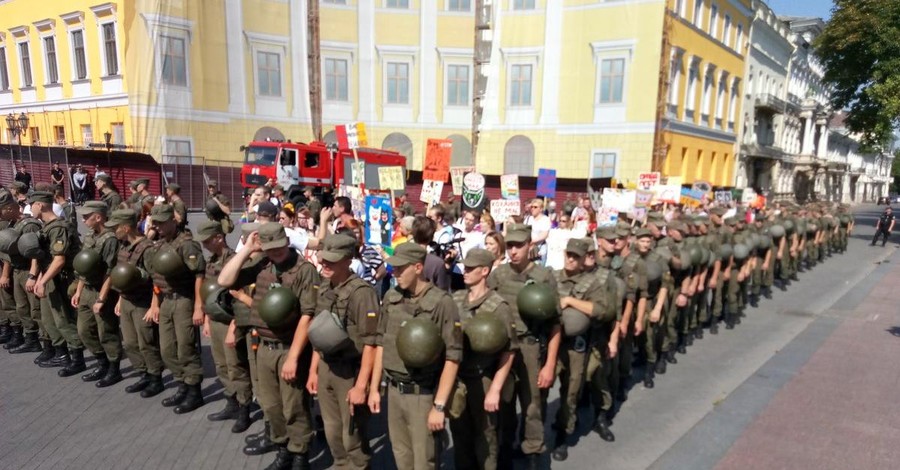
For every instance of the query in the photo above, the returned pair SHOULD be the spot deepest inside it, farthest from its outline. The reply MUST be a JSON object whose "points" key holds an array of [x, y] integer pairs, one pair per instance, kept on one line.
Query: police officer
{"points": [[178, 267], [535, 365], [140, 334], [418, 397], [232, 366], [483, 373], [98, 325], [580, 296], [108, 193], [54, 278], [281, 327], [884, 226], [342, 367]]}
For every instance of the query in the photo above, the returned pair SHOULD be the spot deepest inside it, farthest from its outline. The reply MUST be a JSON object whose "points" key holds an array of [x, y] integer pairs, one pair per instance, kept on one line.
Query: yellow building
{"points": [[571, 84], [709, 40]]}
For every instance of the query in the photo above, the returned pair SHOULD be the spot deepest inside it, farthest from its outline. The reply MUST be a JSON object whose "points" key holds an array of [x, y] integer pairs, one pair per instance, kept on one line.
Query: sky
{"points": [[820, 8]]}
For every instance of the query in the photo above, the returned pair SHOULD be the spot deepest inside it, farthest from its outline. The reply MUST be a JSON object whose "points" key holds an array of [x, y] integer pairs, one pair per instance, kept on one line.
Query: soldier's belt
{"points": [[174, 295], [274, 345], [409, 388]]}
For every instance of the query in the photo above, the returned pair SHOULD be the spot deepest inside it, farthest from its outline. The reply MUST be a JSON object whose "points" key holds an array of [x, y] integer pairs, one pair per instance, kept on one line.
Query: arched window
{"points": [[399, 143], [269, 133], [462, 151], [518, 156]]}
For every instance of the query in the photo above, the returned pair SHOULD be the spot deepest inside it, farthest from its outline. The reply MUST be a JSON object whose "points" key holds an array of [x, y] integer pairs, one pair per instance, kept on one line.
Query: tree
{"points": [[860, 51]]}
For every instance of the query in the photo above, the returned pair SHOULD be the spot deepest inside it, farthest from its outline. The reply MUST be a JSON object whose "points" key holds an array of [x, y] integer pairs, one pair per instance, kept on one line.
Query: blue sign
{"points": [[379, 220], [546, 183]]}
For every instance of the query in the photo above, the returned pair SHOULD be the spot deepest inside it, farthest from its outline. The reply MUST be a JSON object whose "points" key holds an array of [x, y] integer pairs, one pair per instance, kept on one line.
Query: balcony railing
{"points": [[770, 102]]}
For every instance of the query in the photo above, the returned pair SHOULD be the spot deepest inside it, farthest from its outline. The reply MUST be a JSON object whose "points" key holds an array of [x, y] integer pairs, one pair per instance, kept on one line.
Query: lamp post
{"points": [[108, 137], [18, 126]]}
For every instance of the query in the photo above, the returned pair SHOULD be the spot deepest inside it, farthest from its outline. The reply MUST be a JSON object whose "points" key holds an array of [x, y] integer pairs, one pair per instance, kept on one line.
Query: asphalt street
{"points": [[694, 415]]}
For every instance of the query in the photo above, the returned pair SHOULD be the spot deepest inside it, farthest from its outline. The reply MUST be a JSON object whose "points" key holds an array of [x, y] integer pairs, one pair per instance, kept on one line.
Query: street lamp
{"points": [[18, 127]]}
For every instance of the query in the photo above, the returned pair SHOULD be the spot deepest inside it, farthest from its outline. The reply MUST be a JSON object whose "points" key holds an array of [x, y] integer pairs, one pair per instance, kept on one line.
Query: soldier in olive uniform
{"points": [[633, 272], [173, 196], [135, 196], [680, 297], [142, 187], [417, 397], [98, 325], [140, 335], [218, 207], [404, 205], [535, 365], [178, 267], [108, 193], [582, 294], [312, 202], [658, 282], [340, 375], [283, 357], [485, 376], [11, 325], [232, 366], [55, 276]]}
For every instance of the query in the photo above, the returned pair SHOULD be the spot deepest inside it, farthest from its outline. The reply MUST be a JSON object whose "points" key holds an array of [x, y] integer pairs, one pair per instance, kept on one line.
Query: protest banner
{"points": [[473, 192], [379, 220], [509, 187], [456, 177], [391, 177], [502, 209], [622, 200], [546, 183], [643, 198], [748, 196], [437, 159], [358, 173], [691, 197], [647, 181], [667, 194], [351, 136], [723, 197], [431, 192]]}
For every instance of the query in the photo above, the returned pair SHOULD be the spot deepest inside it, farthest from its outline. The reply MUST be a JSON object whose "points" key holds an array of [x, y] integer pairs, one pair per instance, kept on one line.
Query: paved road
{"points": [[717, 407]]}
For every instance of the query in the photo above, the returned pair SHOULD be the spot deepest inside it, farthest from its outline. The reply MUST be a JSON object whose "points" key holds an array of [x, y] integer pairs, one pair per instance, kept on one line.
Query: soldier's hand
{"points": [[117, 309], [312, 384], [206, 332], [492, 401], [4, 282], [546, 376], [375, 401], [39, 290], [75, 300], [654, 315], [356, 397], [681, 300], [613, 347], [198, 316], [152, 315], [436, 420], [638, 328], [564, 301], [230, 340], [253, 243], [96, 308], [289, 370]]}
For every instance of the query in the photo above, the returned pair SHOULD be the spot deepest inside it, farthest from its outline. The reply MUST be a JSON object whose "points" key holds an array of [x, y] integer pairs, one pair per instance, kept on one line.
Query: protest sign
{"points": [[391, 177], [723, 197], [379, 220], [647, 181], [358, 173], [456, 177], [509, 187], [437, 159], [691, 197], [621, 200], [546, 183], [643, 198], [431, 192], [351, 136], [670, 194], [473, 192], [502, 209]]}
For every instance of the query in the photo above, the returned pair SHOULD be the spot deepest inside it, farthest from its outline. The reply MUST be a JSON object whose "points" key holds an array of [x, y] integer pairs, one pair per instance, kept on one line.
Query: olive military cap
{"points": [[121, 217], [339, 247], [208, 229], [407, 253], [91, 207], [518, 233], [577, 246], [478, 257], [162, 213], [41, 196], [272, 236]]}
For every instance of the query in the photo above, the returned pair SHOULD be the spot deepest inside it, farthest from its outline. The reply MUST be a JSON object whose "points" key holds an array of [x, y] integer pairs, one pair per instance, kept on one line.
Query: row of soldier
{"points": [[281, 331]]}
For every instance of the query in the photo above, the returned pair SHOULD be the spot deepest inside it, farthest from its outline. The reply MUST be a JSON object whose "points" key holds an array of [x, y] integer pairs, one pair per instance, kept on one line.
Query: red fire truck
{"points": [[317, 164]]}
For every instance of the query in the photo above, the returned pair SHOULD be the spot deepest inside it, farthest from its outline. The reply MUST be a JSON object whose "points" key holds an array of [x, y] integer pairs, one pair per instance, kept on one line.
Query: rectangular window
{"points": [[109, 49], [12, 137], [713, 20], [397, 3], [4, 71], [25, 57], [50, 51], [78, 51], [335, 2], [458, 85], [59, 132], [35, 133], [269, 73], [174, 61], [739, 38], [398, 83], [603, 165], [520, 85], [698, 13], [178, 148], [612, 80], [118, 133], [523, 5], [336, 80], [87, 134], [726, 31], [459, 5]]}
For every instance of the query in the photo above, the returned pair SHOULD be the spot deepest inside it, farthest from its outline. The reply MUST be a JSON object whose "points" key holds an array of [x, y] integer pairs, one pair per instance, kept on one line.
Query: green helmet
{"points": [[574, 322], [208, 286], [704, 256], [486, 333], [29, 245], [789, 226], [725, 251], [696, 254], [168, 263], [537, 302], [213, 210], [328, 334], [765, 241], [845, 220], [219, 305], [8, 239], [278, 307], [812, 228], [741, 251], [777, 231], [125, 277], [419, 343], [89, 264]]}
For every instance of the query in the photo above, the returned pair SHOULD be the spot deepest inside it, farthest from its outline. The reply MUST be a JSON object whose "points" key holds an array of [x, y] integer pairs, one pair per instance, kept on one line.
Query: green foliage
{"points": [[860, 50]]}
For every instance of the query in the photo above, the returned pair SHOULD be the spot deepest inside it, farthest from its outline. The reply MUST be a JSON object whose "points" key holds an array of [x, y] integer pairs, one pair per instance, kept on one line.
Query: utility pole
{"points": [[315, 68], [660, 147], [484, 10]]}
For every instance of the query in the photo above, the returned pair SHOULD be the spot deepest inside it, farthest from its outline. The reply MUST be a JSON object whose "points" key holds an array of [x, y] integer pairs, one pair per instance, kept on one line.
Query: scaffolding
{"points": [[660, 146]]}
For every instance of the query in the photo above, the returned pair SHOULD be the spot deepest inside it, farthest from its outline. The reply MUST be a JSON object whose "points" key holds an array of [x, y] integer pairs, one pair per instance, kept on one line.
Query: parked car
{"points": [[884, 200]]}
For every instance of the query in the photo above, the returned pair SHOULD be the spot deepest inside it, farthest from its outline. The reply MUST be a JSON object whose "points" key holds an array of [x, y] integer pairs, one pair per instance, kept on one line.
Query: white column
{"points": [[808, 137], [428, 62], [300, 71], [365, 20], [552, 59], [237, 80], [823, 142]]}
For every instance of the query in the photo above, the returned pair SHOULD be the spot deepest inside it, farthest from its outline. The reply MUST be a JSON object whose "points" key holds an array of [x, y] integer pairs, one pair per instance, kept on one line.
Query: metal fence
{"points": [[193, 175]]}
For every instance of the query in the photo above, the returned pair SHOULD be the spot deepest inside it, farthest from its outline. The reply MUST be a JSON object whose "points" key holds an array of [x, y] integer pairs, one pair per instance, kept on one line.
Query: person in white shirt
{"points": [[297, 239], [444, 232], [540, 228], [471, 237]]}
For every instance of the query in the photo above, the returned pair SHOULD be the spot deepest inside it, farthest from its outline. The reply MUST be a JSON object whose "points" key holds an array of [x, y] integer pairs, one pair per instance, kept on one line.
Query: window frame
{"points": [[104, 47], [90, 133], [73, 51], [176, 139], [396, 4], [690, 92], [509, 84], [714, 20], [726, 30], [599, 93], [614, 153], [51, 67], [164, 42], [23, 83], [56, 139], [279, 71], [513, 5], [5, 83], [347, 75], [698, 14], [467, 102], [388, 63], [448, 3]]}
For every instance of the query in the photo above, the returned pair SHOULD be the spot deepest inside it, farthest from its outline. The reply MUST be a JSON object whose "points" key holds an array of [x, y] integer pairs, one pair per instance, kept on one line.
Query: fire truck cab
{"points": [[295, 165]]}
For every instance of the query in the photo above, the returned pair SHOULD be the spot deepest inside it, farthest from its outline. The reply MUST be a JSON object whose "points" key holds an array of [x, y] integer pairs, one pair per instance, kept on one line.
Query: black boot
{"points": [[261, 446], [661, 365], [76, 364], [112, 377], [601, 427], [192, 401], [140, 385], [698, 332], [670, 357], [754, 300], [243, 421], [15, 340], [300, 462], [533, 461], [714, 327], [30, 344], [253, 438], [46, 352], [99, 370], [648, 377], [561, 450], [6, 333], [229, 412], [179, 396], [687, 340], [283, 460], [767, 293], [60, 358], [154, 387]]}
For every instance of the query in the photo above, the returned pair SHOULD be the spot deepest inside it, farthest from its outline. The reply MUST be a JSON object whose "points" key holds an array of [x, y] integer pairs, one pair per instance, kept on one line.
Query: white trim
{"points": [[552, 66], [299, 78], [165, 140], [429, 64], [512, 53], [104, 9], [607, 4], [237, 94], [604, 151], [267, 39], [338, 46], [176, 28], [59, 80], [269, 105], [598, 47], [336, 6], [19, 33], [455, 52], [365, 29], [89, 102], [81, 87], [45, 26], [447, 9], [611, 50], [72, 18]]}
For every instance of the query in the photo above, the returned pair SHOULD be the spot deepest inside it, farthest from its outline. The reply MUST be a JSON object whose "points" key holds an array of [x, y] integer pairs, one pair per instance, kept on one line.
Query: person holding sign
{"points": [[540, 230]]}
